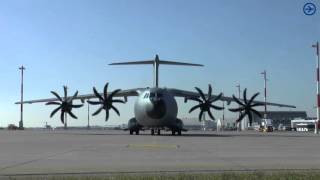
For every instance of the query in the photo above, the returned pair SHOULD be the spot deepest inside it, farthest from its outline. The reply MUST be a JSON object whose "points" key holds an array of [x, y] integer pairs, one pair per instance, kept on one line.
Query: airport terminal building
{"points": [[281, 117]]}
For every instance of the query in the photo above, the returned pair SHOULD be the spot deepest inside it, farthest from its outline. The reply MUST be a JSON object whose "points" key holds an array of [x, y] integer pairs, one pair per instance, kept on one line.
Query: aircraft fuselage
{"points": [[155, 108]]}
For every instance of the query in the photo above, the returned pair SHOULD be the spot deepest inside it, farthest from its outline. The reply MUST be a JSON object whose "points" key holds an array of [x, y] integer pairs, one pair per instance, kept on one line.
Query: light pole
{"points": [[66, 114], [318, 95], [88, 116], [222, 126], [239, 92], [264, 73], [22, 68]]}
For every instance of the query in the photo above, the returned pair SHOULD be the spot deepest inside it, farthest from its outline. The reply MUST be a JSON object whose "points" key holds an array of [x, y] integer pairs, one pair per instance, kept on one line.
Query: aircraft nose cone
{"points": [[156, 109]]}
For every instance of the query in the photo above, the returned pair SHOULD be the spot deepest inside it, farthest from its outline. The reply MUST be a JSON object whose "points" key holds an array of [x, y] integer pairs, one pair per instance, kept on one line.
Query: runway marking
{"points": [[34, 160], [158, 172], [152, 146]]}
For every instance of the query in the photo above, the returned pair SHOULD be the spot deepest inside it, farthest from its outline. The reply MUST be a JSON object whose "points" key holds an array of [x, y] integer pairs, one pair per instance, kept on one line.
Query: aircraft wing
{"points": [[122, 93], [189, 94]]}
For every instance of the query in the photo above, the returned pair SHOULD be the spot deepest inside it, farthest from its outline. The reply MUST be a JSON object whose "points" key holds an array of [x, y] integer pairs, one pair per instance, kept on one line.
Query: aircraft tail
{"points": [[156, 62]]}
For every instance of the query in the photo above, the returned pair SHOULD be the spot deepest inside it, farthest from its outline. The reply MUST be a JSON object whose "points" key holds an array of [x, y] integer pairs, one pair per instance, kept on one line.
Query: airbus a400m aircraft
{"points": [[155, 108]]}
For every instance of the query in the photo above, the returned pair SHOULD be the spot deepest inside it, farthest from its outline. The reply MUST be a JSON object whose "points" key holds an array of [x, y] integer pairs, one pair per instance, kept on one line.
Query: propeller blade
{"points": [[241, 117], [72, 115], [245, 96], [253, 97], [107, 115], [114, 93], [256, 112], [216, 98], [105, 91], [97, 94], [216, 107], [257, 104], [94, 102], [237, 100], [73, 97], [98, 111], [200, 115], [201, 93], [62, 117], [53, 103], [77, 106], [65, 92], [118, 101], [115, 109], [57, 95], [210, 114], [55, 111], [236, 109], [195, 107], [250, 118]]}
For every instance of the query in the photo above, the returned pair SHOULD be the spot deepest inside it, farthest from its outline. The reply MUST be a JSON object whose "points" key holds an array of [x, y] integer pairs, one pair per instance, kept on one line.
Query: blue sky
{"points": [[71, 42]]}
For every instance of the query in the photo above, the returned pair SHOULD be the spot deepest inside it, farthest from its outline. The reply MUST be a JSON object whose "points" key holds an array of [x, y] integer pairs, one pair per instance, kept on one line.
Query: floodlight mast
{"points": [[239, 95], [264, 73], [66, 114], [318, 94], [22, 68], [222, 114], [88, 126]]}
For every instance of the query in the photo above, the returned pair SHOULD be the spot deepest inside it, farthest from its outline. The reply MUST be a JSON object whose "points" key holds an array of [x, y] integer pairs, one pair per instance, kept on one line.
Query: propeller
{"points": [[246, 107], [65, 104], [205, 104], [106, 101]]}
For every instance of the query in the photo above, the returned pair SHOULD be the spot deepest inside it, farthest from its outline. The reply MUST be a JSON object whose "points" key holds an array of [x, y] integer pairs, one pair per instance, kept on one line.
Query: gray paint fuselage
{"points": [[155, 108]]}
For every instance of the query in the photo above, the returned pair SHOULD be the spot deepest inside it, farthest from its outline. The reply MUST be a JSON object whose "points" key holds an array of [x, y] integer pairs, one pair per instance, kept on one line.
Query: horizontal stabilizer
{"points": [[156, 62], [133, 63], [178, 63]]}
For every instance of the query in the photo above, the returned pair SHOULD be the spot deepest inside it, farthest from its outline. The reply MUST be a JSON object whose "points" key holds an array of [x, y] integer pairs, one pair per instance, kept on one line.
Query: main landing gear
{"points": [[174, 132], [154, 130], [136, 131]]}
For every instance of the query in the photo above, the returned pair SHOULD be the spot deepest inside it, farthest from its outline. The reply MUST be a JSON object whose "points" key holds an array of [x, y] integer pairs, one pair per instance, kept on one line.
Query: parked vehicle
{"points": [[266, 125], [12, 127]]}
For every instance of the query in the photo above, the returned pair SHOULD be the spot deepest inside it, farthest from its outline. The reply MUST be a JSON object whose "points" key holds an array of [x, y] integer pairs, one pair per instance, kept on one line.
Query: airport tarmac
{"points": [[32, 152]]}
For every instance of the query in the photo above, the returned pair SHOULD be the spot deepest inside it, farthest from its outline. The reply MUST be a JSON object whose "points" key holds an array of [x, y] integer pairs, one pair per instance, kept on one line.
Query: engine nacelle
{"points": [[133, 124]]}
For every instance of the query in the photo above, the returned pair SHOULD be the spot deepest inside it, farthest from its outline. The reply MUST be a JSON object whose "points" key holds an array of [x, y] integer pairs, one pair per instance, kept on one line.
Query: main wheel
{"points": [[158, 131], [179, 132], [137, 132], [131, 132], [152, 131], [173, 132]]}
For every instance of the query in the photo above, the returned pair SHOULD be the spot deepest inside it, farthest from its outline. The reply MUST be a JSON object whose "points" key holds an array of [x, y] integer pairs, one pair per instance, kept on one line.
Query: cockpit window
{"points": [[154, 94], [146, 95]]}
